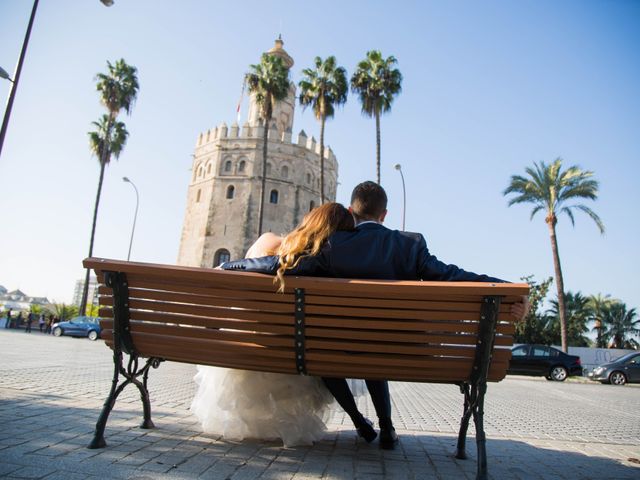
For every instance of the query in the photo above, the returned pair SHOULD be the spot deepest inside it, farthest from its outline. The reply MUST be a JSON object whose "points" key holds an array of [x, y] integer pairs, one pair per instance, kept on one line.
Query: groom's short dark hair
{"points": [[368, 200]]}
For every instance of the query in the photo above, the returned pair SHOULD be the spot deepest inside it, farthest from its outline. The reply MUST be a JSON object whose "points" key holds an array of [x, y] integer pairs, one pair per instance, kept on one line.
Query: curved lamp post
{"points": [[404, 194], [135, 215], [16, 76]]}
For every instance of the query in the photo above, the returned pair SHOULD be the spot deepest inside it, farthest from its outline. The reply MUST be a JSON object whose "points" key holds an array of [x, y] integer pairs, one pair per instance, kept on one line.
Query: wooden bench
{"points": [[443, 332]]}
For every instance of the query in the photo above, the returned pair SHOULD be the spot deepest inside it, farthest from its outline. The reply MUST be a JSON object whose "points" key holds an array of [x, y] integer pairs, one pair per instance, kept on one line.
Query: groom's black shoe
{"points": [[388, 435], [365, 430]]}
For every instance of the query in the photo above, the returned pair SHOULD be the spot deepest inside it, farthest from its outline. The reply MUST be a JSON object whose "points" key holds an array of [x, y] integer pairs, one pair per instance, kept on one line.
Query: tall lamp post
{"points": [[404, 194], [16, 76], [135, 215]]}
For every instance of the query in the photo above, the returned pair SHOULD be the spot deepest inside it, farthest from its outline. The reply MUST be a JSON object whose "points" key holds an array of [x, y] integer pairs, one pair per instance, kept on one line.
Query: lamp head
{"points": [[398, 166], [126, 179]]}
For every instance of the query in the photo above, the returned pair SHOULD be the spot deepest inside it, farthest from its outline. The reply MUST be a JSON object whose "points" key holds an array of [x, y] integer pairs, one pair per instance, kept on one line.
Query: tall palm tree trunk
{"points": [[322, 122], [559, 283], [378, 145], [85, 289], [264, 175]]}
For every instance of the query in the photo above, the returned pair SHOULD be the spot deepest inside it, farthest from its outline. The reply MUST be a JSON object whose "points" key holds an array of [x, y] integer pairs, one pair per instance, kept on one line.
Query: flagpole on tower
{"points": [[244, 84]]}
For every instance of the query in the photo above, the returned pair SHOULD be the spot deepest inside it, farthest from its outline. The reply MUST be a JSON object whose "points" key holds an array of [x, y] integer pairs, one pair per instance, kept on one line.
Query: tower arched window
{"points": [[198, 196], [209, 169], [285, 172], [199, 171], [312, 205], [227, 166], [231, 190], [221, 256], [273, 197], [242, 166], [308, 178]]}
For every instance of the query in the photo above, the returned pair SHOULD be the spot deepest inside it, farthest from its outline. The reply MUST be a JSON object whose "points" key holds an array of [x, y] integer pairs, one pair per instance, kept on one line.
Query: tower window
{"points": [[221, 256], [230, 191], [308, 178], [242, 166], [285, 172], [312, 205], [208, 169], [273, 198], [227, 166], [198, 196], [199, 171]]}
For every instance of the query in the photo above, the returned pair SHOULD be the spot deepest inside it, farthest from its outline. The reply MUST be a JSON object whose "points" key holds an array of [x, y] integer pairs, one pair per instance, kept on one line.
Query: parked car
{"points": [[625, 369], [78, 327], [541, 360]]}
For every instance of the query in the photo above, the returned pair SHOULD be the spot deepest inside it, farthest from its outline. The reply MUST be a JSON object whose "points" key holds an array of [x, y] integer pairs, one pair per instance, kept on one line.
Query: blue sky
{"points": [[489, 88]]}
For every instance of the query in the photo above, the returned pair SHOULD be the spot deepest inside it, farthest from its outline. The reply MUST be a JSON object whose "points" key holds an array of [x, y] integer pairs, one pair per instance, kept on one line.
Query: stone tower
{"points": [[221, 218]]}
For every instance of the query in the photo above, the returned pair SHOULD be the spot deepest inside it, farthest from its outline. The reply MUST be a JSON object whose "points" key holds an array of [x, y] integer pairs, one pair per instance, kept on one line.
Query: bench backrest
{"points": [[395, 330]]}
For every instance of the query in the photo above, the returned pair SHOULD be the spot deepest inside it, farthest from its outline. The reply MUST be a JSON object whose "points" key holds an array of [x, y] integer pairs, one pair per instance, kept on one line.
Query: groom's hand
{"points": [[519, 310]]}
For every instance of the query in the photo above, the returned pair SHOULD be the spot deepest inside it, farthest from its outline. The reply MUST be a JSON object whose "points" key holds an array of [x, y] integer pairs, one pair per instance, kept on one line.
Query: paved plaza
{"points": [[52, 390]]}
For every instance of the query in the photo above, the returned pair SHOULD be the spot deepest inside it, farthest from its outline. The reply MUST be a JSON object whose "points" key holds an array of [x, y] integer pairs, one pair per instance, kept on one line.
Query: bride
{"points": [[240, 404]]}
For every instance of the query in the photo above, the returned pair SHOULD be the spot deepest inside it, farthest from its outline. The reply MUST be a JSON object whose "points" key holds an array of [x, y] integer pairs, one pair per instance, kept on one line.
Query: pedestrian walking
{"points": [[8, 323], [41, 322], [29, 322]]}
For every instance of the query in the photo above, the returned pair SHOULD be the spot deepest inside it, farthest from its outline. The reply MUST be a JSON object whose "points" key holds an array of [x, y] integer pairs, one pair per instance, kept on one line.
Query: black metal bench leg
{"points": [[464, 423], [98, 436], [478, 420]]}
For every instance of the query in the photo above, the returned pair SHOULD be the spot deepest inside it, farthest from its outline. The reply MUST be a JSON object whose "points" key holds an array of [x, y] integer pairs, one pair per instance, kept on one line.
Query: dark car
{"points": [[541, 360], [78, 327], [625, 369]]}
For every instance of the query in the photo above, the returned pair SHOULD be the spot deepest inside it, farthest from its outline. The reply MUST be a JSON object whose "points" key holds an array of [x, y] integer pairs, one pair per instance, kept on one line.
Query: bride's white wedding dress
{"points": [[239, 404]]}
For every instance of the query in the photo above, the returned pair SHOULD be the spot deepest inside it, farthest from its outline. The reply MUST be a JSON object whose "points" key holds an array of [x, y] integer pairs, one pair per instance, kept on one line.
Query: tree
{"points": [[621, 325], [323, 87], [63, 311], [579, 313], [269, 82], [533, 329], [598, 304], [549, 189], [377, 83], [118, 91]]}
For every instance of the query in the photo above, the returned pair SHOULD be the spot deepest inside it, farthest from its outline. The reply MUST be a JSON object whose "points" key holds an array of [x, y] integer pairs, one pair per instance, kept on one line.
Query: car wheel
{"points": [[558, 373], [93, 335], [617, 378], [57, 332]]}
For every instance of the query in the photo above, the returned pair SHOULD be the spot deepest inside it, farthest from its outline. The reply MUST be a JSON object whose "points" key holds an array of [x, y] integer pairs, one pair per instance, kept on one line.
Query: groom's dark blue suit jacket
{"points": [[370, 251]]}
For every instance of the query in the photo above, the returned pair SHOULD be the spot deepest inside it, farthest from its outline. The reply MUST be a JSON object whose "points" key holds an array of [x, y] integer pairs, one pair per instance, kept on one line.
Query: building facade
{"points": [[221, 217]]}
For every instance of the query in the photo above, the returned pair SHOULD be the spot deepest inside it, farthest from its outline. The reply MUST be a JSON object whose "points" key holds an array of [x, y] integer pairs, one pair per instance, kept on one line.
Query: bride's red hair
{"points": [[308, 237]]}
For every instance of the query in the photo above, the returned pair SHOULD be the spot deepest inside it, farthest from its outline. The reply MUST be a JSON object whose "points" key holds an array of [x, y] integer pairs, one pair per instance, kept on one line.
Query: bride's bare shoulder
{"points": [[266, 244]]}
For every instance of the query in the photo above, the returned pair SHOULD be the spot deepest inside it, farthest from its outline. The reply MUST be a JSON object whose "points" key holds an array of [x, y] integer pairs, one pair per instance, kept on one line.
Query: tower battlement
{"points": [[222, 132]]}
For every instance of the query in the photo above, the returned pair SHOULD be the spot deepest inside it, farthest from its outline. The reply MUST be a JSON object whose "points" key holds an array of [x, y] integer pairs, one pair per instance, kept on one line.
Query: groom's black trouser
{"points": [[378, 390]]}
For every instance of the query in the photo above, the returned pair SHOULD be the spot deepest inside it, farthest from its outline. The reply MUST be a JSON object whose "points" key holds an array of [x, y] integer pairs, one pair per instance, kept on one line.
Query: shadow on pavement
{"points": [[46, 435]]}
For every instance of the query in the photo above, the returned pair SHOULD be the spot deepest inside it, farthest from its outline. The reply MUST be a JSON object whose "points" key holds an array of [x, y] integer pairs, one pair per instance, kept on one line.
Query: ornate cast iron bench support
{"points": [[475, 389], [122, 343]]}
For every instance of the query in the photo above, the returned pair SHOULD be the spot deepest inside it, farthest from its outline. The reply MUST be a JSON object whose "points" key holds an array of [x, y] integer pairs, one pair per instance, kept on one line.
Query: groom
{"points": [[375, 252]]}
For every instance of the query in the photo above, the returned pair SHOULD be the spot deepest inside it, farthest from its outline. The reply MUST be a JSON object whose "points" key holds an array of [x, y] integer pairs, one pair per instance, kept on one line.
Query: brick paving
{"points": [[52, 390]]}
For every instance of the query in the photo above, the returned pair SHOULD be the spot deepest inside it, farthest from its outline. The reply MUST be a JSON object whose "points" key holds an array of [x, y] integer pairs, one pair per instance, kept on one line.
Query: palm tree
{"points": [[269, 82], [376, 82], [118, 91], [620, 325], [323, 87], [579, 313], [549, 188], [598, 304]]}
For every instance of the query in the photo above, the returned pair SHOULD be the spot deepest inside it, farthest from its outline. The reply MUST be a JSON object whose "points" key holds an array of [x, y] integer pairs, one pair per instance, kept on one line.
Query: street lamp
{"points": [[16, 76], [135, 215], [404, 194]]}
